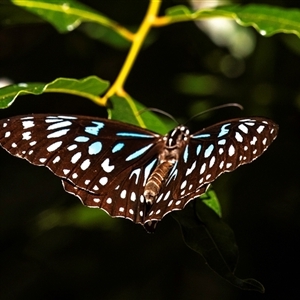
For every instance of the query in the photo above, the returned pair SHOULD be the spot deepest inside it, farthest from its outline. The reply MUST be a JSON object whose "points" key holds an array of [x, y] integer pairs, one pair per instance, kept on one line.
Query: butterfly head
{"points": [[176, 137], [174, 143]]}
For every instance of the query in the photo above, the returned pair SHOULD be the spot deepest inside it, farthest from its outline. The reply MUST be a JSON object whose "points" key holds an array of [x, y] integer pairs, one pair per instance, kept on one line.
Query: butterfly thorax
{"points": [[174, 143]]}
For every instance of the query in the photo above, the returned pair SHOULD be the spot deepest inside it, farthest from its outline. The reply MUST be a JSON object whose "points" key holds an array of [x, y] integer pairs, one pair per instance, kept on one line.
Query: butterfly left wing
{"points": [[209, 153], [105, 163]]}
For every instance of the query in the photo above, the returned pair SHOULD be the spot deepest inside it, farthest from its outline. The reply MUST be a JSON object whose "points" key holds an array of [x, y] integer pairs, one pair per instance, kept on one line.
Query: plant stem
{"points": [[139, 37]]}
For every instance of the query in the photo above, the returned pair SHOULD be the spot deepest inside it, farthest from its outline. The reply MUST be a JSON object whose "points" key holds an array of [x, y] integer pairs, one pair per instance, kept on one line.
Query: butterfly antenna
{"points": [[160, 112], [215, 108]]}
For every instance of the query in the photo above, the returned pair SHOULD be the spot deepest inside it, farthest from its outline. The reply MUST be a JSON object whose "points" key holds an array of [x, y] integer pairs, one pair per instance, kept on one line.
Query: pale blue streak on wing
{"points": [[94, 130], [224, 130], [201, 136], [198, 149], [138, 153], [117, 147], [95, 148], [209, 150], [147, 170], [134, 135], [186, 153], [81, 139]]}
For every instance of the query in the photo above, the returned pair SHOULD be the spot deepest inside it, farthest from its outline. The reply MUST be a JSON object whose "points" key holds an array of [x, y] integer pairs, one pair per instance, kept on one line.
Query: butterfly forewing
{"points": [[107, 163]]}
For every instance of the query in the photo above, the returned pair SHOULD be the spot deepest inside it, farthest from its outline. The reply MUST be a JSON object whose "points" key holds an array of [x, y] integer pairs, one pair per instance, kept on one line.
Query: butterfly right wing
{"points": [[210, 152]]}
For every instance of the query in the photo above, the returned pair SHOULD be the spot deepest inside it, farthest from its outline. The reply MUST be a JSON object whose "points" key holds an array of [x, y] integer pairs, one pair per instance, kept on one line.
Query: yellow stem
{"points": [[139, 37]]}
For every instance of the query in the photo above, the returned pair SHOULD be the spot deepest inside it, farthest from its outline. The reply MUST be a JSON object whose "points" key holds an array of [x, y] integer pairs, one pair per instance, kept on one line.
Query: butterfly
{"points": [[129, 171]]}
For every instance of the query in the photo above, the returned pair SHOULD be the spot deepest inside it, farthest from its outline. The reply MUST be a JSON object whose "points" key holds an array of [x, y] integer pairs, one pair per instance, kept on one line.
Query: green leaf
{"points": [[74, 216], [266, 19], [63, 15], [106, 35], [204, 232], [66, 16], [90, 87], [211, 200], [130, 111]]}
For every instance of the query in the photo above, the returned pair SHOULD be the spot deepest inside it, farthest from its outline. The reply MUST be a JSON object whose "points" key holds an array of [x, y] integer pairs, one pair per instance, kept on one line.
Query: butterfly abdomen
{"points": [[155, 181]]}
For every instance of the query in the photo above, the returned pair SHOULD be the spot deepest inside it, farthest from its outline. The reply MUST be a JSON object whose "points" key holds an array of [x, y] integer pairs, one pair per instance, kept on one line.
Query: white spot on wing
{"points": [[27, 124], [212, 161], [54, 146], [253, 141], [190, 170], [183, 185], [123, 194], [66, 171], [159, 198], [26, 135], [59, 125], [72, 147], [106, 167], [243, 128], [103, 180], [56, 160], [133, 196], [203, 167], [238, 137], [167, 195], [58, 133], [260, 128], [231, 150], [137, 173], [85, 164], [75, 158]]}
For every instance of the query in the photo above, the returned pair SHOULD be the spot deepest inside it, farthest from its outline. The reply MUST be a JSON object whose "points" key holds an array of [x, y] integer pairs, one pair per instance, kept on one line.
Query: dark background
{"points": [[52, 247]]}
